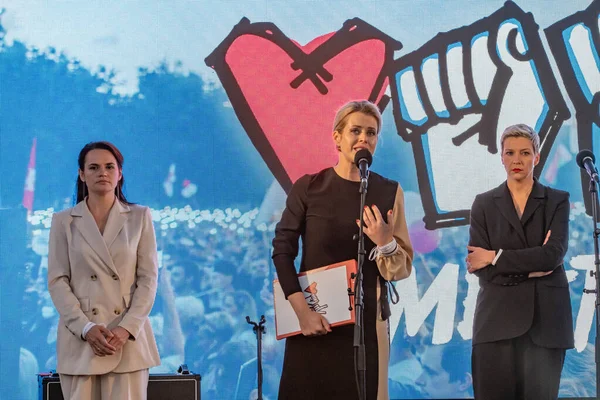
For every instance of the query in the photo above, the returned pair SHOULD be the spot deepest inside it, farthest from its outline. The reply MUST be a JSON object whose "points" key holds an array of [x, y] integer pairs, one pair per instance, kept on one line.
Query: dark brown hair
{"points": [[82, 187]]}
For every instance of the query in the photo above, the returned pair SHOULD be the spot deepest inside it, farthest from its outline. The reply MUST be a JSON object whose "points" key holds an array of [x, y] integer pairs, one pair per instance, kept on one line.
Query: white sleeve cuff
{"points": [[383, 251], [497, 256], [388, 249], [87, 328]]}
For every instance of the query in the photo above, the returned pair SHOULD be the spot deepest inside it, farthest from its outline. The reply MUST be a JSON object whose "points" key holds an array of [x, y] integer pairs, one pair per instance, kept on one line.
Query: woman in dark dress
{"points": [[323, 210]]}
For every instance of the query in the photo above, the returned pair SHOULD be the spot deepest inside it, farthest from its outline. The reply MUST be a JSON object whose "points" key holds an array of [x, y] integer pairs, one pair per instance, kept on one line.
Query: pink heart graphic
{"points": [[286, 95]]}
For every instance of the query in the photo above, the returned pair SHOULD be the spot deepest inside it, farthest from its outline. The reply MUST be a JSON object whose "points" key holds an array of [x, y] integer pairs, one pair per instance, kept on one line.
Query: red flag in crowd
{"points": [[189, 189], [30, 180]]}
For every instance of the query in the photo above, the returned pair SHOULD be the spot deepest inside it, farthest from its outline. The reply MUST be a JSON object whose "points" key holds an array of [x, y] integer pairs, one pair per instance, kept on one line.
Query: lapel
{"points": [[85, 223], [504, 204], [536, 198], [116, 220]]}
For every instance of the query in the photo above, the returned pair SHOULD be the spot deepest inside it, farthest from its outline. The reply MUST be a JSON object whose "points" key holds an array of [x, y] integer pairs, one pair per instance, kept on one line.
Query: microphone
{"points": [[363, 159], [585, 159]]}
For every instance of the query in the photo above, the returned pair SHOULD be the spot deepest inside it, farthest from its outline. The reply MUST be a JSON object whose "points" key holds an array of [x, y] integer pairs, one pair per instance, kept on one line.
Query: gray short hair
{"points": [[522, 130]]}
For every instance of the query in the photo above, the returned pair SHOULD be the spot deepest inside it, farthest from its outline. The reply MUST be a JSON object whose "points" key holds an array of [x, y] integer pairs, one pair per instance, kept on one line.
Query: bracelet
{"points": [[383, 251]]}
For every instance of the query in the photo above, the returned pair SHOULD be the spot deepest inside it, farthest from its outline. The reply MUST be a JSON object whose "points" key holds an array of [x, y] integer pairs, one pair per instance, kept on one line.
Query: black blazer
{"points": [[509, 304]]}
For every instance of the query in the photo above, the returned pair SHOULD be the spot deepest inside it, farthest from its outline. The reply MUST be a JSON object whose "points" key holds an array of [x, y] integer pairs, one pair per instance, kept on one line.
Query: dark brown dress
{"points": [[322, 210]]}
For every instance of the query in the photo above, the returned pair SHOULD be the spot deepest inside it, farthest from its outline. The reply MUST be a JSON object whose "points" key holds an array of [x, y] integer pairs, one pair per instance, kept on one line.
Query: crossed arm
{"points": [[532, 262]]}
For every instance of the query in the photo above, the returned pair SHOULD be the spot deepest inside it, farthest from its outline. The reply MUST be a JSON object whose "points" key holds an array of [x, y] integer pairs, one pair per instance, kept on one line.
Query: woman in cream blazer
{"points": [[102, 277]]}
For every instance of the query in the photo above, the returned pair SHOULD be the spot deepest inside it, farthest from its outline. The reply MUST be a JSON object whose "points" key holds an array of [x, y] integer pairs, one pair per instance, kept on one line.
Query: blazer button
{"points": [[95, 311], [117, 312], [115, 277], [93, 277]]}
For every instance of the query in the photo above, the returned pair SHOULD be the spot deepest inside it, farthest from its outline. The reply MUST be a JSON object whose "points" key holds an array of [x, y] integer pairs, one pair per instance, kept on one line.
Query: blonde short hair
{"points": [[363, 106], [521, 130]]}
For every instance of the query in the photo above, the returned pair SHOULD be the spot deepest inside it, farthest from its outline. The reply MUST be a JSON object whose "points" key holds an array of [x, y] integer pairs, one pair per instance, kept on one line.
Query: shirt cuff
{"points": [[497, 256], [87, 328]]}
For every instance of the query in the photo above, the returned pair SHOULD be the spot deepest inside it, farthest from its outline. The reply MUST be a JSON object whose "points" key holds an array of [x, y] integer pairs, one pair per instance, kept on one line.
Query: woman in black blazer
{"points": [[518, 237]]}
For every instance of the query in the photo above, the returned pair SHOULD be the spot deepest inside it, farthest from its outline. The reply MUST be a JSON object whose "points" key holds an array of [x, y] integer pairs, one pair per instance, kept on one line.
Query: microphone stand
{"points": [[360, 364], [258, 329], [596, 273]]}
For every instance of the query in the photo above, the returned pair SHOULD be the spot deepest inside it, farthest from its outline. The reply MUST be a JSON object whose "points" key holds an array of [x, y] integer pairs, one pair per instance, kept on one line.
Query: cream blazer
{"points": [[109, 279]]}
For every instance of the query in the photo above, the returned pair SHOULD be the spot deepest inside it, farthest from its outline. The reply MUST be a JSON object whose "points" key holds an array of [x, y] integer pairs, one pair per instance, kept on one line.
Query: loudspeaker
{"points": [[160, 387]]}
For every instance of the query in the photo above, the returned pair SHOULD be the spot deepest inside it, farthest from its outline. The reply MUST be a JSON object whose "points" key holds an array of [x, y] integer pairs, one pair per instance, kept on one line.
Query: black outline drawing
{"points": [[310, 67], [313, 300], [586, 113], [487, 127]]}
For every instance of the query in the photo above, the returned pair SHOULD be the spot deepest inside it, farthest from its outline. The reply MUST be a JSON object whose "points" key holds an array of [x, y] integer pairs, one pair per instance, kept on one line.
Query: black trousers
{"points": [[516, 369]]}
